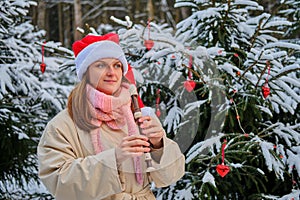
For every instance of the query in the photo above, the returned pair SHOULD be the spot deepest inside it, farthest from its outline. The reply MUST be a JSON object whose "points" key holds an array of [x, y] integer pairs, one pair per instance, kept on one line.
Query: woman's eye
{"points": [[118, 65], [101, 65]]}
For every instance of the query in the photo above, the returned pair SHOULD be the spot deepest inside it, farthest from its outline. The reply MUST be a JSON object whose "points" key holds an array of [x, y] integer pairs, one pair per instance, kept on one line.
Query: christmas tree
{"points": [[245, 78]]}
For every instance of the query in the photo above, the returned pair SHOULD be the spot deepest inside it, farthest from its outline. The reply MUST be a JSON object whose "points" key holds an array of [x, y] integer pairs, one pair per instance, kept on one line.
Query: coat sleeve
{"points": [[171, 165], [68, 175]]}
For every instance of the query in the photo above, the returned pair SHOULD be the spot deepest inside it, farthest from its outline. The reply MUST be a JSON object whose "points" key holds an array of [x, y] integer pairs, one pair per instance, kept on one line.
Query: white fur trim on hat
{"points": [[97, 51]]}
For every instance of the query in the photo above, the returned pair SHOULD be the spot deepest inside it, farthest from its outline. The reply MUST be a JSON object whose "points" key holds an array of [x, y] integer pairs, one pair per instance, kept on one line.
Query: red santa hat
{"points": [[95, 47]]}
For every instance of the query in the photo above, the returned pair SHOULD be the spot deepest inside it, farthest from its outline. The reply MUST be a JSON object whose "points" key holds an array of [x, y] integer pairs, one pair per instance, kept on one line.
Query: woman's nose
{"points": [[110, 70]]}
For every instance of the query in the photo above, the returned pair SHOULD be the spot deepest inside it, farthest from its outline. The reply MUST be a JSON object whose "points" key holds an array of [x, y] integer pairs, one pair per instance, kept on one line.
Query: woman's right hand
{"points": [[132, 146]]}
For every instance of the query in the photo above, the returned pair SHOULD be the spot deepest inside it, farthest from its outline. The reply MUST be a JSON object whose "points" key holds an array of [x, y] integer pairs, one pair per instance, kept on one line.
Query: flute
{"points": [[137, 115]]}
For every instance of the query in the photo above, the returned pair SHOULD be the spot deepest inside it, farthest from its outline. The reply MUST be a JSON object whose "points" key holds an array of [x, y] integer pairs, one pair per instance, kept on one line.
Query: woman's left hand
{"points": [[152, 128]]}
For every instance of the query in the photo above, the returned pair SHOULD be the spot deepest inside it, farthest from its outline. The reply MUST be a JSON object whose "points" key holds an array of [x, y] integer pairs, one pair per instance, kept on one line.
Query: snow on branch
{"points": [[200, 146]]}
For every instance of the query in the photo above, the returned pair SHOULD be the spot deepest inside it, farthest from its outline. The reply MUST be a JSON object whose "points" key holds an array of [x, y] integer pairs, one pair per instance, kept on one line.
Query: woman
{"points": [[93, 149]]}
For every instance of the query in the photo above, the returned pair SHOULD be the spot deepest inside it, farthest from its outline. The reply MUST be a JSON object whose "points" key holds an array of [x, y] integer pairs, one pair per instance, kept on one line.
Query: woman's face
{"points": [[106, 75]]}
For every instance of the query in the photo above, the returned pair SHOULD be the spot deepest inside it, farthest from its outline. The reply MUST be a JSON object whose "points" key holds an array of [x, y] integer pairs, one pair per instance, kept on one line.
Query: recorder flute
{"points": [[137, 115]]}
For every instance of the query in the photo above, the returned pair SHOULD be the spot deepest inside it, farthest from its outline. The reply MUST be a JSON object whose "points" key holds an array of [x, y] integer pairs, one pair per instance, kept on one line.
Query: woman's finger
{"points": [[134, 141], [153, 129], [138, 149]]}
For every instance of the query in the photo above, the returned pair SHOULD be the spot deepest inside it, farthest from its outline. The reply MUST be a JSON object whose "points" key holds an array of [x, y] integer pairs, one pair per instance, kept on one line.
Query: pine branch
{"points": [[261, 74], [250, 67], [284, 73], [256, 34]]}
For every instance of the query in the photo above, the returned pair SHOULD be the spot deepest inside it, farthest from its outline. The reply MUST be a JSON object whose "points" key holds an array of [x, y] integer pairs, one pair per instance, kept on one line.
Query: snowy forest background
{"points": [[222, 75]]}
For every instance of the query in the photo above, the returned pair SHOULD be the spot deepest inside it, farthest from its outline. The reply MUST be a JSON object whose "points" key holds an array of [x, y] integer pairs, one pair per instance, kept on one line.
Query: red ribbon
{"points": [[148, 43], [269, 70], [223, 151], [158, 113], [43, 50], [148, 29], [43, 65], [190, 66]]}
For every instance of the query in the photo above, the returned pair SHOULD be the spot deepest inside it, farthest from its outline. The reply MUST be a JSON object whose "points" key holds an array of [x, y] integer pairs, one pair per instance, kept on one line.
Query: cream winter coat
{"points": [[70, 170]]}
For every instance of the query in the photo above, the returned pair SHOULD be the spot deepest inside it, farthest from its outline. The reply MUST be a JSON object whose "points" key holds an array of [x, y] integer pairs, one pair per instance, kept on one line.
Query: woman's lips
{"points": [[110, 81]]}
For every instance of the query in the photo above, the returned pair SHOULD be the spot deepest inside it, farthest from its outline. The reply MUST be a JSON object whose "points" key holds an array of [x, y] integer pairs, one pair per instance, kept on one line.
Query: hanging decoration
{"points": [[223, 169], [265, 88], [189, 84], [148, 43], [158, 113], [43, 65]]}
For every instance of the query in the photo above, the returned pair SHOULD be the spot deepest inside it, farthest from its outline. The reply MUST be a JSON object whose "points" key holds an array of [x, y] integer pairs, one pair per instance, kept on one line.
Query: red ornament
{"points": [[222, 170], [158, 113], [189, 85], [148, 44], [265, 90], [42, 67]]}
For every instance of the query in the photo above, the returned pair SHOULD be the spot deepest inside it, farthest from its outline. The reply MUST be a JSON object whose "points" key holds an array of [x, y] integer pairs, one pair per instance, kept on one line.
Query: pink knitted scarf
{"points": [[115, 112]]}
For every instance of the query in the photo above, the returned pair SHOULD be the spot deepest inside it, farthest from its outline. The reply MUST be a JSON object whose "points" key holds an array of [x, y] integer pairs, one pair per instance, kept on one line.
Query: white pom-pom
{"points": [[132, 90]]}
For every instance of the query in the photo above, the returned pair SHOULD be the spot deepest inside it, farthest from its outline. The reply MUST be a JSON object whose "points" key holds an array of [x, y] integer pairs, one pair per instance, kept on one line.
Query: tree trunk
{"points": [[137, 11], [185, 12], [41, 15], [177, 15], [150, 9], [78, 19], [68, 25], [61, 23], [162, 11]]}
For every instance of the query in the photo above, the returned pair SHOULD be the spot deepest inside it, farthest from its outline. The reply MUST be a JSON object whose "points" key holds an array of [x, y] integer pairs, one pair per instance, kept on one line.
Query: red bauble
{"points": [[158, 113], [222, 170], [42, 67], [189, 85], [148, 44], [265, 90]]}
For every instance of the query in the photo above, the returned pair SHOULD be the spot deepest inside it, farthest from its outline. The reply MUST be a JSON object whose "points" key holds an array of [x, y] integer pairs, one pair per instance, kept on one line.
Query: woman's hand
{"points": [[152, 128], [131, 146]]}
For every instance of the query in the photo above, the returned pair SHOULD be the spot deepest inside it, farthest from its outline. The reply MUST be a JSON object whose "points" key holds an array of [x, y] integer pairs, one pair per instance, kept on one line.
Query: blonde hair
{"points": [[78, 105]]}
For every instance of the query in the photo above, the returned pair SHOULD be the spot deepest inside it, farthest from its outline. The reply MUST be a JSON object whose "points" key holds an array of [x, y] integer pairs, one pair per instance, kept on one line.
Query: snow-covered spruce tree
{"points": [[259, 71], [162, 66], [28, 98], [162, 74], [291, 10]]}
